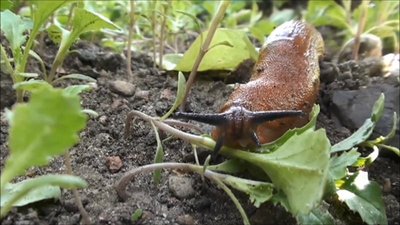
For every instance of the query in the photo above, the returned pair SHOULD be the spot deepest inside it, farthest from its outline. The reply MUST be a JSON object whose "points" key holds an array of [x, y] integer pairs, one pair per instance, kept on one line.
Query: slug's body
{"points": [[283, 86]]}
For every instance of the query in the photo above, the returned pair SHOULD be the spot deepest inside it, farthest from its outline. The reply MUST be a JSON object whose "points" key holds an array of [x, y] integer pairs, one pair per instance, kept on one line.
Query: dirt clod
{"points": [[181, 186], [114, 163]]}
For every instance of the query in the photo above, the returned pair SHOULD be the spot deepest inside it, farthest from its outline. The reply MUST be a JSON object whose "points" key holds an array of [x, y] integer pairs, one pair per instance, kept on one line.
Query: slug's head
{"points": [[236, 127]]}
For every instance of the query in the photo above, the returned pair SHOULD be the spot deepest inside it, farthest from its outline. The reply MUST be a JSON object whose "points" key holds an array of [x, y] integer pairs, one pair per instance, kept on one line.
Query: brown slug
{"points": [[280, 94]]}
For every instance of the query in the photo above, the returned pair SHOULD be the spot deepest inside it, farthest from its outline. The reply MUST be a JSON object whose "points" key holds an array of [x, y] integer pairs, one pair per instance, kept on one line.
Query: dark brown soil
{"points": [[103, 137]]}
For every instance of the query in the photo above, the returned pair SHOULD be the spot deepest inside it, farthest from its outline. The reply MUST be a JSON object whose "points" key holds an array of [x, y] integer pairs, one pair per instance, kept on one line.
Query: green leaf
{"points": [[299, 168], [220, 57], [44, 9], [77, 89], [326, 13], [261, 29], [136, 215], [38, 194], [365, 197], [45, 127], [57, 33], [228, 166], [338, 164], [85, 21], [159, 158], [76, 76], [259, 192], [365, 131], [170, 61], [180, 94], [13, 27], [6, 4], [31, 85], [28, 75], [318, 216], [36, 189]]}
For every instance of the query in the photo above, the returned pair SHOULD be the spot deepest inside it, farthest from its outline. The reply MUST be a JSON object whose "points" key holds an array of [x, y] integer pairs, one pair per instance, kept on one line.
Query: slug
{"points": [[280, 94]]}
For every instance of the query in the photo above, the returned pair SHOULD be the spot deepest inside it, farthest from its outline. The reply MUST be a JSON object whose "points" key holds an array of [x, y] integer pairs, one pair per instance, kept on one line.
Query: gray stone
{"points": [[123, 88], [181, 186], [353, 107]]}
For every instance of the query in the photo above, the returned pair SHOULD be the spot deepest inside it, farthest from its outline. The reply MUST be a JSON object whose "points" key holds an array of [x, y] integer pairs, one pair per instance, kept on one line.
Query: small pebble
{"points": [[114, 163], [122, 88], [181, 186], [185, 220], [143, 94]]}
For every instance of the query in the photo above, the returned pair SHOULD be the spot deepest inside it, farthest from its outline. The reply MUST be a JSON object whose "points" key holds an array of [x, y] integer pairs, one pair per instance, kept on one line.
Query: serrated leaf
{"points": [[85, 21], [365, 131], [365, 197], [318, 216], [258, 191], [180, 94], [45, 127], [220, 57], [338, 164], [13, 27], [299, 168]]}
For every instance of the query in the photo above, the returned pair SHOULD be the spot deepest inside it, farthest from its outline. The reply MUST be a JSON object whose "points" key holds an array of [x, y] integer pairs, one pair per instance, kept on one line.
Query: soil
{"points": [[104, 138]]}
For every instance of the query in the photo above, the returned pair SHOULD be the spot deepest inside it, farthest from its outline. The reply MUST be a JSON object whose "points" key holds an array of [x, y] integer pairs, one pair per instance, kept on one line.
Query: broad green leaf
{"points": [[338, 164], [272, 146], [326, 13], [170, 61], [45, 127], [365, 131], [6, 4], [36, 189], [365, 197], [259, 192], [180, 94], [159, 158], [31, 85], [318, 216], [44, 9], [13, 27], [77, 89], [299, 167], [85, 21], [261, 29], [220, 57]]}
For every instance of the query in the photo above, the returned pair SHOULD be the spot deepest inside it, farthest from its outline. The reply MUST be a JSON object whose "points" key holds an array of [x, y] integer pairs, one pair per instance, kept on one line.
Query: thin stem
{"points": [[153, 26], [233, 198], [162, 34], [130, 35], [78, 201], [204, 48], [361, 26], [390, 148]]}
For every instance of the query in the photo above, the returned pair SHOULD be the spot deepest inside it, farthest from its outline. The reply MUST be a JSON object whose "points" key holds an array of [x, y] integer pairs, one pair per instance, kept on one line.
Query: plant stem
{"points": [[153, 26], [361, 26], [233, 198], [162, 34], [129, 44], [78, 201], [204, 48]]}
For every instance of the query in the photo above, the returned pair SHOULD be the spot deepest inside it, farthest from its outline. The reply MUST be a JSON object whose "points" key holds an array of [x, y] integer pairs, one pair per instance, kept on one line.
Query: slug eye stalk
{"points": [[237, 123]]}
